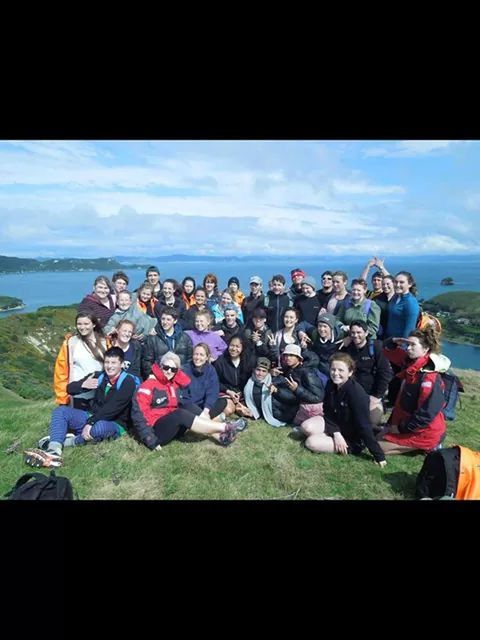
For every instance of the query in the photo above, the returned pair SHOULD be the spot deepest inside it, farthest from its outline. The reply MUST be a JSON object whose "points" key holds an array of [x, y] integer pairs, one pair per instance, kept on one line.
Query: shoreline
{"points": [[470, 344], [17, 308]]}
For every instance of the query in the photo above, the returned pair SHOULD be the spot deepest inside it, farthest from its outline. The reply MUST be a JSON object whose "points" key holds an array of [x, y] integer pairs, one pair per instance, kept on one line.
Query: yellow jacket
{"points": [[62, 371]]}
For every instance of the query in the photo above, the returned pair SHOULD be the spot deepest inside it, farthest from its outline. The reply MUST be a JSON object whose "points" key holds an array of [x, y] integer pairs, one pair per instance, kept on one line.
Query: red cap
{"points": [[297, 272]]}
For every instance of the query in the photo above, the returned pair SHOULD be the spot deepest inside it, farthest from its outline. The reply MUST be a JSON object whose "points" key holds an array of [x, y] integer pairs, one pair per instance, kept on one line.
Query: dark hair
{"points": [[259, 312], [388, 277], [105, 280], [411, 281], [120, 275], [115, 352], [189, 278], [327, 273], [199, 289], [345, 358], [152, 268], [278, 277], [377, 274], [428, 337], [97, 349], [295, 311], [169, 311], [171, 281], [360, 281], [359, 323]]}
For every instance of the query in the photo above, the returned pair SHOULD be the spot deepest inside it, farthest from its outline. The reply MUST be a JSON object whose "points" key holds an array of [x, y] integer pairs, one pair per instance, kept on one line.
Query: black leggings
{"points": [[176, 423]]}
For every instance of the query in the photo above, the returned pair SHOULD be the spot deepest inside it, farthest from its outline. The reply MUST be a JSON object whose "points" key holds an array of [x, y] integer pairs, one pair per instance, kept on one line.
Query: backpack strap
{"points": [[23, 480], [100, 378], [367, 306]]}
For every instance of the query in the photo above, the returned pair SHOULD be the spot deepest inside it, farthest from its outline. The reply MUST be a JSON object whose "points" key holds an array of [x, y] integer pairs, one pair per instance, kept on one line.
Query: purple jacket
{"points": [[214, 341]]}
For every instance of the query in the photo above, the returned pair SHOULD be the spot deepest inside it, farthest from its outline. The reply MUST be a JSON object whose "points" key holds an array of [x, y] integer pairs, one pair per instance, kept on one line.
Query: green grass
{"points": [[263, 463]]}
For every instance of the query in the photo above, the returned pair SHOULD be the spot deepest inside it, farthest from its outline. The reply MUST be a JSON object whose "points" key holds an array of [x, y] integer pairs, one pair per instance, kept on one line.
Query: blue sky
{"points": [[151, 198]]}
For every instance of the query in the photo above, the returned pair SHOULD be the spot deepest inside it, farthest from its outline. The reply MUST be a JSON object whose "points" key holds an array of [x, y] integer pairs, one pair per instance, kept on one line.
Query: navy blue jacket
{"points": [[204, 387]]}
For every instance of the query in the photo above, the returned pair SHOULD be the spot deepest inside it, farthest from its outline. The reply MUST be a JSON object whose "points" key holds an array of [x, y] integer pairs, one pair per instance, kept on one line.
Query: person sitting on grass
{"points": [[107, 417], [258, 396], [158, 417], [204, 387], [233, 368], [294, 385], [128, 310], [259, 336], [345, 425], [417, 422]]}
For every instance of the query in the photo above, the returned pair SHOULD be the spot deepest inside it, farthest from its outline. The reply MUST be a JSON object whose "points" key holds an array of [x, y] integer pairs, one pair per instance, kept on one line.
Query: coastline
{"points": [[456, 341], [21, 306]]}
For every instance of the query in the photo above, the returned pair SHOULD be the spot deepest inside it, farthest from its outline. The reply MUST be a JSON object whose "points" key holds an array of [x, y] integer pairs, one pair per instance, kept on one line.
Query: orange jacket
{"points": [[469, 477], [188, 300], [239, 297], [62, 371]]}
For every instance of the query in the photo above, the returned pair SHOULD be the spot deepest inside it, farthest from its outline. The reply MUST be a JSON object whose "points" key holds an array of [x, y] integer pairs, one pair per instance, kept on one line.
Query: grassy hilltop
{"points": [[264, 463]]}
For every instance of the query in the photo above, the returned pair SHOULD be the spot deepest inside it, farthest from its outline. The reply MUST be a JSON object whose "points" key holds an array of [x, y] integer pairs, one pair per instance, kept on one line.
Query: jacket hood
{"points": [[330, 320], [181, 379], [441, 363]]}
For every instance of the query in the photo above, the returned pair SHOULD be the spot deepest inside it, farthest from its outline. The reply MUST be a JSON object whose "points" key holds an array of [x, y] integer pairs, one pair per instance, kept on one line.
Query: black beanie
{"points": [[235, 280]]}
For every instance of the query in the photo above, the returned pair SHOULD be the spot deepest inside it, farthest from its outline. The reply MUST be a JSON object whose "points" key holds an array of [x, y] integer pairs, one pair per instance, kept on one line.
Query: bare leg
{"points": [[392, 448], [320, 443], [206, 427], [313, 426], [230, 408]]}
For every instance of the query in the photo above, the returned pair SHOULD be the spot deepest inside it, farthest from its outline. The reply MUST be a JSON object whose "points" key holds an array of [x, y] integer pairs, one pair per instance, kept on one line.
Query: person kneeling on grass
{"points": [[345, 427], [157, 416], [258, 395], [107, 417]]}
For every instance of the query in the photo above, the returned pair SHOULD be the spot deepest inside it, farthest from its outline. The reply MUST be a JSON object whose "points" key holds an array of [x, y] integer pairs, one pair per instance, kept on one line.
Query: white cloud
{"points": [[363, 188], [410, 148]]}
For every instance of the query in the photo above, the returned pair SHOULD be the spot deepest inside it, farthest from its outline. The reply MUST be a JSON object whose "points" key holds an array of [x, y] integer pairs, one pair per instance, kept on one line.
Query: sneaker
{"points": [[69, 440], [297, 434], [39, 458], [239, 425], [43, 443], [228, 436]]}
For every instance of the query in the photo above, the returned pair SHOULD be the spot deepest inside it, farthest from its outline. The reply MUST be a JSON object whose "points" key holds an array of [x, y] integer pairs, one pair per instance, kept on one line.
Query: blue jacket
{"points": [[204, 387], [403, 313]]}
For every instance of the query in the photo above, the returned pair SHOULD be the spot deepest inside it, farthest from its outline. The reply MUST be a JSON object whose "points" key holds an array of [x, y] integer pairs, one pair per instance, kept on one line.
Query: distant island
{"points": [[8, 303], [447, 281], [23, 265], [459, 313]]}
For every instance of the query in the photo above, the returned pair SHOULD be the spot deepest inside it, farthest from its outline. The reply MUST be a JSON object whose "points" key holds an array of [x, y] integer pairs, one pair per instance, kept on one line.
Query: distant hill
{"points": [[459, 313], [19, 265]]}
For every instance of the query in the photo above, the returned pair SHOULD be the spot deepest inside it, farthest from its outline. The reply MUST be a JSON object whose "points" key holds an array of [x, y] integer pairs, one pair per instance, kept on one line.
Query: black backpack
{"points": [[438, 477], [37, 486]]}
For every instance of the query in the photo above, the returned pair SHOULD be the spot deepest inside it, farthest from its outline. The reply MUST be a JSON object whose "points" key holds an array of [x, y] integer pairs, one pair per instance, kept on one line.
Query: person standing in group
{"points": [[296, 290], [188, 288], [388, 291], [308, 303], [188, 319], [218, 310], [100, 303], [403, 308], [81, 354], [340, 292], [326, 292], [358, 307], [128, 310], [120, 282], [234, 287], [210, 284], [153, 277], [253, 301], [168, 299], [377, 276], [145, 299], [276, 303]]}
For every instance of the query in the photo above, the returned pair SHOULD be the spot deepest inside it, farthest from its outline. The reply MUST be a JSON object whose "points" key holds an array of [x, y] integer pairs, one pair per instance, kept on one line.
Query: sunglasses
{"points": [[254, 284], [167, 367]]}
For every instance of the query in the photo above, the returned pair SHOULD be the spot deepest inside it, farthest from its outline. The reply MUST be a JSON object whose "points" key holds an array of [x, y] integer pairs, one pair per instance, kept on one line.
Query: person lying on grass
{"points": [[157, 416], [345, 426], [107, 417]]}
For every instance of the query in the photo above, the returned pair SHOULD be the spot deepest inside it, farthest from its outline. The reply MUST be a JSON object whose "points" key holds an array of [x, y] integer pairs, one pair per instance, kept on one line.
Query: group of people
{"points": [[173, 357]]}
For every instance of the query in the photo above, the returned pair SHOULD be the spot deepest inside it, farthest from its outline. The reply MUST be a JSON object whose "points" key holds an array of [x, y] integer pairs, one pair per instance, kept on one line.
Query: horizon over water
{"points": [[38, 289]]}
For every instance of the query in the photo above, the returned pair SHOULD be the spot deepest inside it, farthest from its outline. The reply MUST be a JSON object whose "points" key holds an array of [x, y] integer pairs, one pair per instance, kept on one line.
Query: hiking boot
{"points": [[297, 434], [39, 458], [43, 443], [228, 436], [239, 425]]}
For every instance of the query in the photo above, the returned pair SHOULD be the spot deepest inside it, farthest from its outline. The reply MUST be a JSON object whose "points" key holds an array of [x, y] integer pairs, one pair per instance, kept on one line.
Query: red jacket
{"points": [[157, 396]]}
